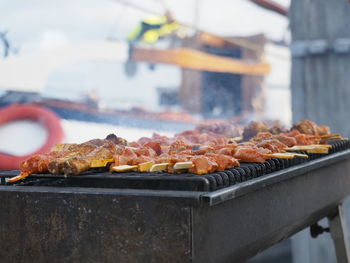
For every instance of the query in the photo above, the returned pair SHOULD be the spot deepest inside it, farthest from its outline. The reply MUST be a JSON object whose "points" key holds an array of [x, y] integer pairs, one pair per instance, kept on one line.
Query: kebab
{"points": [[71, 158], [263, 146], [193, 150], [217, 155]]}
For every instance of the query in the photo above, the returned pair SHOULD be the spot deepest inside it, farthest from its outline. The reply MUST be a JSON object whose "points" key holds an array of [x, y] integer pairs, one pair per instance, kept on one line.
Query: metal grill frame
{"points": [[229, 225]]}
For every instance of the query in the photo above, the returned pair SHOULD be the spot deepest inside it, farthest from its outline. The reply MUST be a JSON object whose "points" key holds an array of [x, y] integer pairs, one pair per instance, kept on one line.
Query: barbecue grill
{"points": [[131, 217]]}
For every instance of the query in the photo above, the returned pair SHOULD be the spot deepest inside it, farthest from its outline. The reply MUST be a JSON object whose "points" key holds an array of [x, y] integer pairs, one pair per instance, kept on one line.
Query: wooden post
{"points": [[321, 83]]}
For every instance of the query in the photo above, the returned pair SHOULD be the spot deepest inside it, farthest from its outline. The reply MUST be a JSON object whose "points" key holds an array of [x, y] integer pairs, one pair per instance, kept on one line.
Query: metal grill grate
{"points": [[166, 181]]}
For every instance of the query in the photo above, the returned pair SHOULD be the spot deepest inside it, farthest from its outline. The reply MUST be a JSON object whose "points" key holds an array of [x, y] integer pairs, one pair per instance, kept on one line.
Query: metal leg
{"points": [[339, 233]]}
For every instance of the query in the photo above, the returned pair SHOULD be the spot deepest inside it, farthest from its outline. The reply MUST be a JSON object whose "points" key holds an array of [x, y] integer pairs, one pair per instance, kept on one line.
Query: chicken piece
{"points": [[276, 129], [253, 128], [134, 145], [219, 141], [286, 140], [203, 150], [186, 152], [126, 157], [78, 165], [140, 159], [116, 140], [164, 140], [323, 130], [143, 140], [163, 158], [283, 138], [303, 139], [232, 146], [39, 163], [306, 127], [56, 160], [165, 149], [190, 136], [203, 165], [226, 151], [74, 166], [179, 158], [144, 151], [261, 136], [251, 154], [291, 133], [273, 145], [56, 166], [63, 147], [79, 151], [178, 146], [172, 158], [223, 161], [154, 146]]}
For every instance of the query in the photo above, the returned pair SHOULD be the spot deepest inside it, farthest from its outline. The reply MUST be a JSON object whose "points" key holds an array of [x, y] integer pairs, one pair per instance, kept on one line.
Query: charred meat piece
{"points": [[74, 166], [223, 161], [203, 165], [253, 128], [81, 150], [307, 127], [39, 163], [323, 130], [251, 154], [273, 145]]}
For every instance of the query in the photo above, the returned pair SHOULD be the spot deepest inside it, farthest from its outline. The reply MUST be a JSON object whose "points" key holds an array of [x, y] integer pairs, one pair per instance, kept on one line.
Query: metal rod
{"points": [[339, 233]]}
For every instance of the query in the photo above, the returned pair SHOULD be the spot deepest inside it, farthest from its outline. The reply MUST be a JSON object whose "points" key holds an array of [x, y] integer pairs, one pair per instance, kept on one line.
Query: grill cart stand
{"points": [[339, 233]]}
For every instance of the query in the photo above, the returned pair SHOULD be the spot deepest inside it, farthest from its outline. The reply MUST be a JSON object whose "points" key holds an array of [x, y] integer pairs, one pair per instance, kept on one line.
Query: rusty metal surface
{"points": [[44, 226]]}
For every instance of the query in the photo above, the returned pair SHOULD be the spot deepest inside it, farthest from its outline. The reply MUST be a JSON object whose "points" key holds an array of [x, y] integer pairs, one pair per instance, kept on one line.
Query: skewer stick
{"points": [[100, 163], [330, 139], [159, 167], [331, 135], [318, 148], [300, 155], [142, 167], [279, 155], [18, 177], [145, 167], [286, 155], [124, 168], [310, 146], [183, 165]]}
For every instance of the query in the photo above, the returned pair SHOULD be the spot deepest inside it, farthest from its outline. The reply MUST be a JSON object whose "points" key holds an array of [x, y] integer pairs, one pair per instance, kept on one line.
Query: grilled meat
{"points": [[311, 128], [253, 128], [72, 158]]}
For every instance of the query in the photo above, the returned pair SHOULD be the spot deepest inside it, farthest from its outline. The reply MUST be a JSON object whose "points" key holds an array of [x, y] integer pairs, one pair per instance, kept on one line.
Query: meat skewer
{"points": [[199, 151], [70, 158]]}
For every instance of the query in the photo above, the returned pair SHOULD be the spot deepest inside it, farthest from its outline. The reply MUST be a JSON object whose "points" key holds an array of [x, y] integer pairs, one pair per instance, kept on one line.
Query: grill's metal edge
{"points": [[231, 192], [188, 197]]}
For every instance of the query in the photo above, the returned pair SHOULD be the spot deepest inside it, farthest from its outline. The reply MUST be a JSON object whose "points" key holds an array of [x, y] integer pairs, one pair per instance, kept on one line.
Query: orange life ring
{"points": [[35, 113]]}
